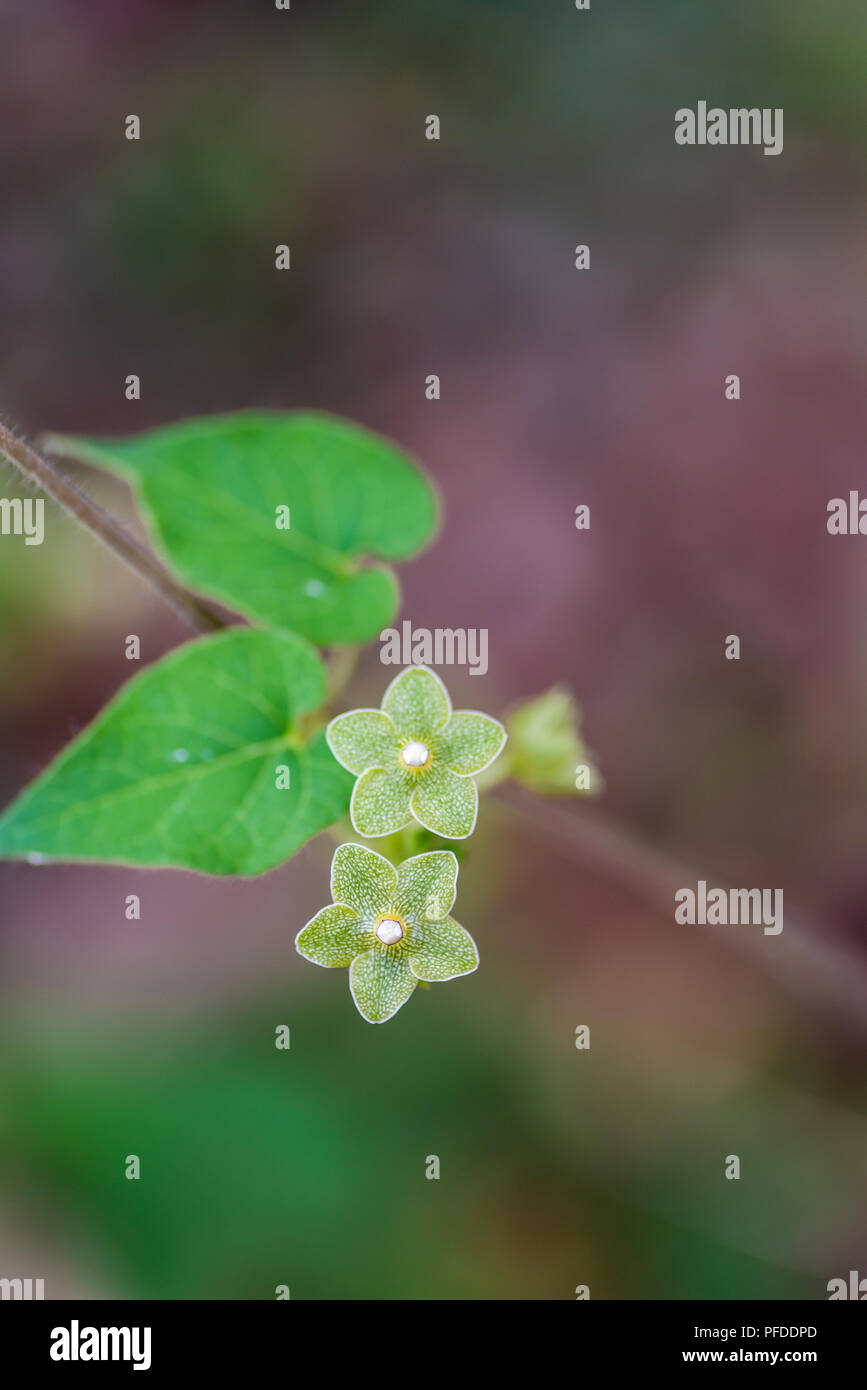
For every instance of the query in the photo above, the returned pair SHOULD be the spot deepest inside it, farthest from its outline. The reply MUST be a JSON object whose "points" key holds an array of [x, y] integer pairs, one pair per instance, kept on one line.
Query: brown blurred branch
{"points": [[817, 970], [36, 467]]}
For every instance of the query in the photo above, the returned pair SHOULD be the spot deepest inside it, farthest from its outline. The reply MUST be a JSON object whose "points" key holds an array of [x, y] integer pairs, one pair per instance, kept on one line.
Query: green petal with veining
{"points": [[380, 801], [445, 803], [469, 742], [363, 738], [417, 702], [426, 885], [335, 936], [362, 880], [381, 981], [447, 950]]}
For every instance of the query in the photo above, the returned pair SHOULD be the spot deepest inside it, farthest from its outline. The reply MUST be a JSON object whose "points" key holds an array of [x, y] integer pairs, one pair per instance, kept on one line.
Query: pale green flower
{"points": [[415, 758], [391, 927], [546, 752]]}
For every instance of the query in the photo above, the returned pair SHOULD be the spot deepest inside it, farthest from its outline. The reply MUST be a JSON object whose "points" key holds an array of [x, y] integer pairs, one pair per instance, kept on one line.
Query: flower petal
{"points": [[445, 803], [417, 702], [363, 738], [380, 801], [469, 742], [426, 885], [362, 880], [381, 981], [447, 950], [333, 937]]}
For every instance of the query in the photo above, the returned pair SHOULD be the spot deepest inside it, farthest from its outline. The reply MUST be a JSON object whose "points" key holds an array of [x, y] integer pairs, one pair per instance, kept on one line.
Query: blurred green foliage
{"points": [[307, 1167]]}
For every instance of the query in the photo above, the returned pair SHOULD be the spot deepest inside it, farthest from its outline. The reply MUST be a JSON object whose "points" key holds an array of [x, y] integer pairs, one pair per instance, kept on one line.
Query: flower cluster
{"points": [[414, 759]]}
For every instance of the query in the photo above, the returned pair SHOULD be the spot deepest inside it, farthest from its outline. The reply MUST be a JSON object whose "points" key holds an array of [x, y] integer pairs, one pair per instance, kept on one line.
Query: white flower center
{"points": [[389, 931], [415, 754]]}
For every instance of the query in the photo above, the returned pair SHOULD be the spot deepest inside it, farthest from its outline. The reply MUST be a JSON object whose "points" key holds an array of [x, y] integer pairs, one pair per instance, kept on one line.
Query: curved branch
{"points": [[817, 970], [36, 467]]}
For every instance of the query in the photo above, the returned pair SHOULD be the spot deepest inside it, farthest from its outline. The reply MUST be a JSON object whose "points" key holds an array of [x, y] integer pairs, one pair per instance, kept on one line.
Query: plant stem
{"points": [[340, 668], [36, 467], [811, 966]]}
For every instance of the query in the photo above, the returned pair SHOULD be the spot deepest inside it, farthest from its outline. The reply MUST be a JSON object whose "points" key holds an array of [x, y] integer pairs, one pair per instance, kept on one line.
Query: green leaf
{"points": [[181, 767], [211, 489]]}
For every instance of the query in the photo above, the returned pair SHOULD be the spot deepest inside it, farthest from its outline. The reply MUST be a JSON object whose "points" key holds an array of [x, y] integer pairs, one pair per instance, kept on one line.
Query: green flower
{"points": [[414, 758], [546, 752], [391, 927]]}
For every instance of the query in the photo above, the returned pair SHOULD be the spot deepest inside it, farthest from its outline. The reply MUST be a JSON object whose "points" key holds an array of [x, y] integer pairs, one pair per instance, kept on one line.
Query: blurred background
{"points": [[559, 1167]]}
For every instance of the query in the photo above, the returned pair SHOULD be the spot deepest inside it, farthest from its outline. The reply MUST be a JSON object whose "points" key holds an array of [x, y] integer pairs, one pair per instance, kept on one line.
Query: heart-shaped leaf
{"points": [[275, 514], [182, 767]]}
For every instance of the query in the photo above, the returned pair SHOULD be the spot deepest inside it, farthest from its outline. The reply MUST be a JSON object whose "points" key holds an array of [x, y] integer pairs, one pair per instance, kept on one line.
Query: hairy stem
{"points": [[36, 467]]}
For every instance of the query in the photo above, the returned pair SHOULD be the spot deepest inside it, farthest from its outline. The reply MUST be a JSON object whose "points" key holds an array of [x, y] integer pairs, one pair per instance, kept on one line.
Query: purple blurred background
{"points": [[456, 257]]}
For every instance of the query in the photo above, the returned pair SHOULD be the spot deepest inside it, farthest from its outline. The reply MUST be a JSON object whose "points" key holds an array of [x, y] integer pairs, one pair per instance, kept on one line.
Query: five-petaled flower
{"points": [[390, 926], [414, 758]]}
